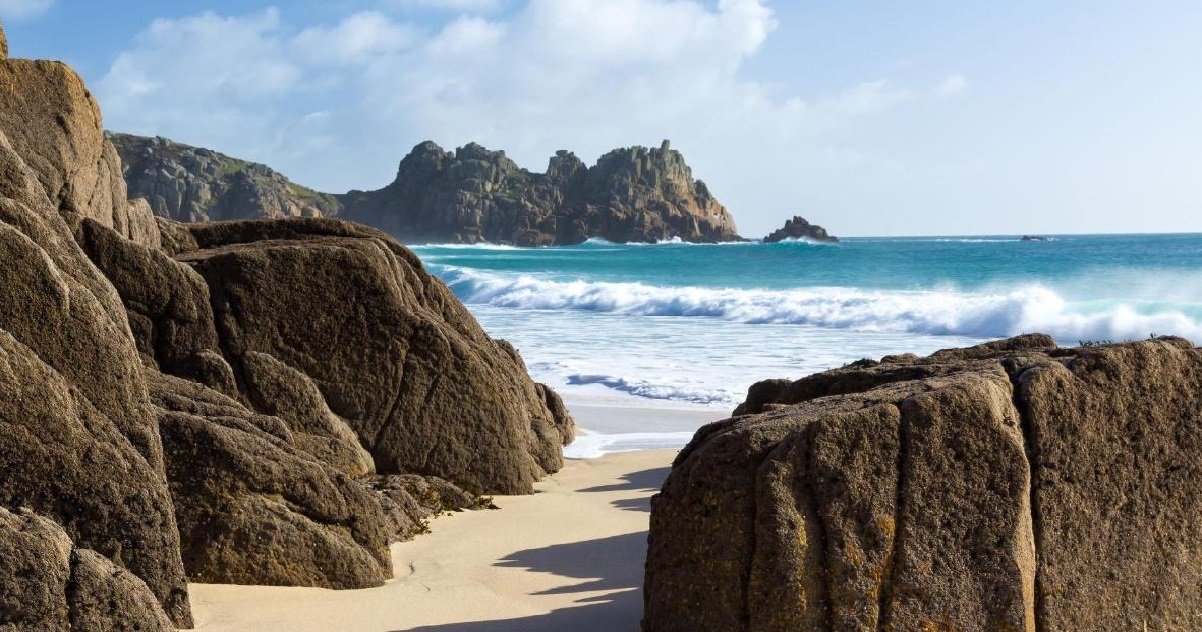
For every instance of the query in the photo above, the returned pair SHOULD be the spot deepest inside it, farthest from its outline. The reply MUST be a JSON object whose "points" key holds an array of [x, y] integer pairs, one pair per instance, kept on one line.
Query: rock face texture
{"points": [[78, 442], [49, 584], [800, 229], [396, 357], [1011, 486], [253, 402], [471, 195], [191, 184]]}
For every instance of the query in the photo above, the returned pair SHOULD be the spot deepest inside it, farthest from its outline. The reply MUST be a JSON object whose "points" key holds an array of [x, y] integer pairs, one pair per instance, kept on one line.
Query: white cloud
{"points": [[479, 6], [952, 85], [23, 9], [337, 106], [357, 38]]}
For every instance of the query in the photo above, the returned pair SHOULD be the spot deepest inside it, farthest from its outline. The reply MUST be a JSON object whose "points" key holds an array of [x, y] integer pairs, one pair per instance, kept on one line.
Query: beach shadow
{"points": [[642, 481], [613, 564]]}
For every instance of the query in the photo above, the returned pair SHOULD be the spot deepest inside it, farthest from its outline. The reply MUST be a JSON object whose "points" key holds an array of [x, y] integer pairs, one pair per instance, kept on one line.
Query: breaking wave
{"points": [[1027, 308]]}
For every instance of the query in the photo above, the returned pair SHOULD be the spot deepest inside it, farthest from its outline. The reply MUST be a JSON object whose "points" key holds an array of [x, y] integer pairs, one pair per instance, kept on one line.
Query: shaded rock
{"points": [[51, 585], [278, 389], [1010, 486], [103, 597], [253, 508], [167, 303], [798, 229], [391, 350]]}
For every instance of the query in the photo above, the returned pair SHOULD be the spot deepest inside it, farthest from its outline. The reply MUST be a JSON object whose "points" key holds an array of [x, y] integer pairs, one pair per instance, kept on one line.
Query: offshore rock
{"points": [[798, 229], [955, 492]]}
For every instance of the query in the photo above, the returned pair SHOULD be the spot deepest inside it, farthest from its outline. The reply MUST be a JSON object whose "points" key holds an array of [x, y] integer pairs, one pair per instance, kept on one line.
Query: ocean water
{"points": [[687, 328]]}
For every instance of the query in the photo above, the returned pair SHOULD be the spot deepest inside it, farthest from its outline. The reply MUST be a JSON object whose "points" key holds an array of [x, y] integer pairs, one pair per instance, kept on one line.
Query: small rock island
{"points": [[799, 228]]}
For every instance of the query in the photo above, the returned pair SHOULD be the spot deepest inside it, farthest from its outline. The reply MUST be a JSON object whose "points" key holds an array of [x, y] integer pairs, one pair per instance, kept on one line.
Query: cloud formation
{"points": [[23, 9], [336, 106]]}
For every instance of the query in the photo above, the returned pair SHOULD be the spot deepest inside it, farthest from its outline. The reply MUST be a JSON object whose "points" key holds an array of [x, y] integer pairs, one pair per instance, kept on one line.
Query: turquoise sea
{"points": [[692, 326]]}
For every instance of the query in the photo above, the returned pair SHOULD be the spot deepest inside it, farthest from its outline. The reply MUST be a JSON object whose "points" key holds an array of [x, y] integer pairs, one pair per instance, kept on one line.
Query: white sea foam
{"points": [[649, 390], [591, 446], [480, 246], [1026, 308]]}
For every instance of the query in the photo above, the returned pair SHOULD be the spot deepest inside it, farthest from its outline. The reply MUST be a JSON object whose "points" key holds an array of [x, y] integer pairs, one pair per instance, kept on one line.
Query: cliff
{"points": [[800, 229], [264, 402], [191, 184], [470, 195], [1008, 486]]}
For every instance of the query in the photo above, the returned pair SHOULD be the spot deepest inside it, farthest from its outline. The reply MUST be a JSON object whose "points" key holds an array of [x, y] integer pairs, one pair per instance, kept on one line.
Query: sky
{"points": [[869, 117]]}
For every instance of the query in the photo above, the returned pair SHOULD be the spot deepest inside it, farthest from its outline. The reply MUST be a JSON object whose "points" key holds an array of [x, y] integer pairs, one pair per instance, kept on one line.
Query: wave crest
{"points": [[1027, 308]]}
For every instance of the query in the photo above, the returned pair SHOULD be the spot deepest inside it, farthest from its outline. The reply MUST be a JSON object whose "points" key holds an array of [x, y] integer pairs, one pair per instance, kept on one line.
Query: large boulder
{"points": [[1011, 486], [392, 352]]}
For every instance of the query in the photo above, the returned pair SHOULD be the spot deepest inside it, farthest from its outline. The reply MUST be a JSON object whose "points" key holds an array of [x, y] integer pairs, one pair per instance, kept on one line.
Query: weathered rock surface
{"points": [[253, 507], [391, 350], [79, 443], [468, 196], [800, 229], [1011, 486], [191, 184], [49, 584]]}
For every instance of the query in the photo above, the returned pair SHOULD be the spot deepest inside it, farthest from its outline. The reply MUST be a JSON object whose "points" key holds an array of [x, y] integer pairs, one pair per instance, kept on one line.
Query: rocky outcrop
{"points": [[50, 584], [476, 195], [392, 351], [185, 402], [798, 229], [191, 184], [1010, 486], [78, 442], [470, 195]]}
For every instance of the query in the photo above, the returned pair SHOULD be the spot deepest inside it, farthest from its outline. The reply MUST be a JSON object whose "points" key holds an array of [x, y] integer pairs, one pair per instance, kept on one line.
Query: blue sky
{"points": [[869, 117]]}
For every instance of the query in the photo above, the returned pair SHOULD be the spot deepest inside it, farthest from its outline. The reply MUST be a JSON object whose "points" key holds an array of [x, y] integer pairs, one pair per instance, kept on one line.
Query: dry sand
{"points": [[569, 557]]}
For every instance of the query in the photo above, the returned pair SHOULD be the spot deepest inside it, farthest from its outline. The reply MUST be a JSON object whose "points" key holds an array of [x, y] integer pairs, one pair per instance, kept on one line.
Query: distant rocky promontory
{"points": [[800, 229], [471, 195]]}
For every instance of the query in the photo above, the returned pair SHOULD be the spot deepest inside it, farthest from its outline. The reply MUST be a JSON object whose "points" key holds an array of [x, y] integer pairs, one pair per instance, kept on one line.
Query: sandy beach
{"points": [[569, 557]]}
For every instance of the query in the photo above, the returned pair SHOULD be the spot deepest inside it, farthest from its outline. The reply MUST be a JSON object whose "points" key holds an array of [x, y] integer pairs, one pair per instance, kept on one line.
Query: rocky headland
{"points": [[258, 402], [471, 195], [1009, 486], [798, 229]]}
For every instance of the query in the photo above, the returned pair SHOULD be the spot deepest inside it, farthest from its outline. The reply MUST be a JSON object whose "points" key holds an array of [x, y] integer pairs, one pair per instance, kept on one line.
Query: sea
{"points": [[682, 330]]}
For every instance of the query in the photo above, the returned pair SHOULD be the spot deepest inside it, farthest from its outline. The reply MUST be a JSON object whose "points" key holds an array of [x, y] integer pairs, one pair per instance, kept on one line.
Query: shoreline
{"points": [[569, 556]]}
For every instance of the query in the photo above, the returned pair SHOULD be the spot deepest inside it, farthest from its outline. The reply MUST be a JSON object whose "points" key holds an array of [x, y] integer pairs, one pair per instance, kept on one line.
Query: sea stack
{"points": [[1009, 486], [798, 229]]}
